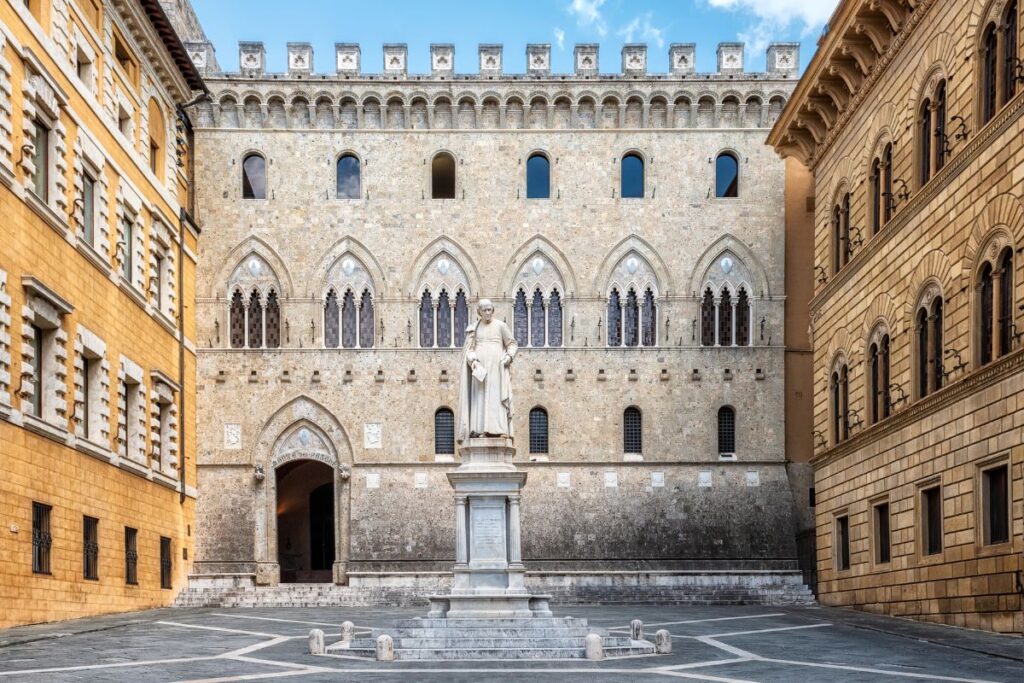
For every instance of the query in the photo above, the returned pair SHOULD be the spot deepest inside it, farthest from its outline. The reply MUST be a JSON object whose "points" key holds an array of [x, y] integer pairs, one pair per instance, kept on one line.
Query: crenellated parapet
{"points": [[783, 63], [493, 99]]}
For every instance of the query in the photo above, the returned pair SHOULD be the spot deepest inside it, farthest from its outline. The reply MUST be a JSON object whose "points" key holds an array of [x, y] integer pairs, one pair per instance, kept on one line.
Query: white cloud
{"points": [[769, 18], [588, 14], [641, 28], [560, 38]]}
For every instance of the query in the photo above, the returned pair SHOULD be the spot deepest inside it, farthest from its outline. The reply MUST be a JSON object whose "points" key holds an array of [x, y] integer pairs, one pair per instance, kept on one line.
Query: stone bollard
{"points": [[663, 642], [347, 631], [316, 642], [385, 649], [594, 646], [636, 629]]}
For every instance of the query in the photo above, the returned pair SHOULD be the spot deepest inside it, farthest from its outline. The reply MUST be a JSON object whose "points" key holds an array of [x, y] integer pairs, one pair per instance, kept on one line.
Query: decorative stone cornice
{"points": [[974, 382]]}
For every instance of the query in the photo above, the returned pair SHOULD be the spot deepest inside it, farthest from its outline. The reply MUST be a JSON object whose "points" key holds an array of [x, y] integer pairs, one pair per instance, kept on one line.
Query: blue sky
{"points": [[466, 24]]}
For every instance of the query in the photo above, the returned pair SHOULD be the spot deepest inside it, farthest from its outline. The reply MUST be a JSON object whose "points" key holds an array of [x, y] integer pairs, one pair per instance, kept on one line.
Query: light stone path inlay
{"points": [[728, 645]]}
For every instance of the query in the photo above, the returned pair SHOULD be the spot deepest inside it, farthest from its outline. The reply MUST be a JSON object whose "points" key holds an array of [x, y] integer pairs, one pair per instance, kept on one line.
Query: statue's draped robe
{"points": [[485, 407]]}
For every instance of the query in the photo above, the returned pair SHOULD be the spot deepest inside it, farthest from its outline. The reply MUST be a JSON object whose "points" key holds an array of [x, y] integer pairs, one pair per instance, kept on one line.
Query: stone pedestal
{"points": [[489, 572]]}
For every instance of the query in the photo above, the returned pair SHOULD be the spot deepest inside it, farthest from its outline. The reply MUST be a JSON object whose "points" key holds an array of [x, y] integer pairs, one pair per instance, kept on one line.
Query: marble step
{"points": [[491, 633], [512, 653], [525, 622], [459, 643]]}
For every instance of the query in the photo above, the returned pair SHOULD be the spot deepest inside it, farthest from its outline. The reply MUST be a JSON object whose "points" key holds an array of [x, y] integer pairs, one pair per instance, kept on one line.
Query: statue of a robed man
{"points": [[485, 386]]}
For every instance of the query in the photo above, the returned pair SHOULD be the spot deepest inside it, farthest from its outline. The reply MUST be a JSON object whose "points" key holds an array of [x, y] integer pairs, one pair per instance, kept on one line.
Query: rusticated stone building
{"points": [[630, 228], [911, 118]]}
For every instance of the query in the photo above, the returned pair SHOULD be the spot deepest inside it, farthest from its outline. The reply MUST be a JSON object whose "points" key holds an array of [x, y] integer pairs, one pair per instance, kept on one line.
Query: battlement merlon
{"points": [[782, 62]]}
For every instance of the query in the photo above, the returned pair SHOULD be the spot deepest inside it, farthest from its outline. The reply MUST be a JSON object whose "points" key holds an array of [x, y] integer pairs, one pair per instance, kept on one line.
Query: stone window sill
{"points": [[44, 211], [132, 291], [444, 457], [44, 428], [133, 466], [7, 175], [94, 257], [165, 321], [632, 457], [164, 480], [94, 450]]}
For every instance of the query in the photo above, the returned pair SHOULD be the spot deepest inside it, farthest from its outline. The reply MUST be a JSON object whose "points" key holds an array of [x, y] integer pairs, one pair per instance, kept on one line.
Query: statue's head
{"points": [[485, 309]]}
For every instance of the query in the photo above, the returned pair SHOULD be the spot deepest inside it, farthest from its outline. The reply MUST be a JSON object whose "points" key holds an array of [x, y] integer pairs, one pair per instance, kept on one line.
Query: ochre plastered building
{"points": [[910, 118], [97, 264]]}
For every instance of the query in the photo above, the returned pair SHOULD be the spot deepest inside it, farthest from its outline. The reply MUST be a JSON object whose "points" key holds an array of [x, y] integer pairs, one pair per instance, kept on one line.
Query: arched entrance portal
{"points": [[305, 521]]}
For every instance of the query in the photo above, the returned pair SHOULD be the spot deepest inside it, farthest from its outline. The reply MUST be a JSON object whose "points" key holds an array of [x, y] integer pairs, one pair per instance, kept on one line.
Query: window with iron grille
{"points": [[631, 319], [742, 318], [538, 430], [255, 321], [366, 320], [166, 562], [131, 556], [632, 431], [726, 430], [348, 320], [332, 321], [444, 432], [91, 548], [537, 320], [41, 539], [427, 320], [707, 319], [725, 318], [650, 320], [614, 319]]}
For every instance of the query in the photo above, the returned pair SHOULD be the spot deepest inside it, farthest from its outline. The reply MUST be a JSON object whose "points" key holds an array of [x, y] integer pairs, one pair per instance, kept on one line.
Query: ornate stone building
{"points": [[630, 227], [911, 118], [97, 262]]}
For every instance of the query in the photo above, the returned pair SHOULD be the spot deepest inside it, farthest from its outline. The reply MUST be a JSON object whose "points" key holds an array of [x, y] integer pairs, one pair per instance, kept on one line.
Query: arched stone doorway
{"points": [[303, 500], [305, 522]]}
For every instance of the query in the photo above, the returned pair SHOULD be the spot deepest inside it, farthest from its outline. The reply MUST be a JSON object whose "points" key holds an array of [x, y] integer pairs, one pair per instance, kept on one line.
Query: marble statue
{"points": [[485, 387]]}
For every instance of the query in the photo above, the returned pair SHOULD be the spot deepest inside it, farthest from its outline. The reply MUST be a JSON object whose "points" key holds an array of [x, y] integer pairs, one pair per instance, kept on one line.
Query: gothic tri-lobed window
{"points": [[554, 319], [366, 332], [255, 322], [707, 318], [537, 320], [649, 316], [742, 318], [632, 431], [273, 321], [444, 321], [332, 321], [348, 320], [614, 319], [237, 321], [538, 430], [631, 319], [726, 430], [725, 318], [521, 320], [426, 320], [461, 318]]}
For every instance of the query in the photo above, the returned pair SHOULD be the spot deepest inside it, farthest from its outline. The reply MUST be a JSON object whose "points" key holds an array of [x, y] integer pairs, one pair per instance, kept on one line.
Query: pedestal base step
{"points": [[527, 638]]}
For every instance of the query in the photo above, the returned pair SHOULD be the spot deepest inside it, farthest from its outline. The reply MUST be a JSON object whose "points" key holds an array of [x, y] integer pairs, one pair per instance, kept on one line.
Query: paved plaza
{"points": [[724, 644]]}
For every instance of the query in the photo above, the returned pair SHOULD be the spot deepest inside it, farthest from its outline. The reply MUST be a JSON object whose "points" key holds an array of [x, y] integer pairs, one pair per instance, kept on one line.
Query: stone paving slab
{"points": [[725, 644]]}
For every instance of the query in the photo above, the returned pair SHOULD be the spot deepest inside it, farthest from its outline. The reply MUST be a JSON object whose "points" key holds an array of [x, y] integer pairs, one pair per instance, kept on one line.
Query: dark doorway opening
{"points": [[305, 522]]}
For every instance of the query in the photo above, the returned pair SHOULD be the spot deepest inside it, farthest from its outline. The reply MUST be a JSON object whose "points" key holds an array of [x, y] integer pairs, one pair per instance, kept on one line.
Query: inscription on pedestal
{"points": [[487, 532]]}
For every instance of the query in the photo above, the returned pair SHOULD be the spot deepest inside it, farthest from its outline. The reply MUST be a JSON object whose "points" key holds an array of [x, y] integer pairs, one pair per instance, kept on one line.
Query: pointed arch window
{"points": [[632, 176], [427, 320], [237, 321], [273, 321], [521, 320], [349, 320], [255, 320], [1010, 64], [837, 240], [929, 320], [650, 319], [444, 320], [254, 177], [922, 350], [742, 318], [878, 393], [366, 332], [936, 319], [348, 180], [631, 319], [444, 432], [632, 431], [985, 311], [554, 319], [888, 204], [726, 430], [332, 321], [707, 318], [538, 177], [846, 249], [840, 404], [537, 320], [442, 176], [461, 318], [727, 176], [538, 430], [725, 318], [614, 319]]}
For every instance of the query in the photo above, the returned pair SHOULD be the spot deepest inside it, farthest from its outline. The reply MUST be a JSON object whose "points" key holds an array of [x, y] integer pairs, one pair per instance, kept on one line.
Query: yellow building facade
{"points": [[97, 262], [911, 119]]}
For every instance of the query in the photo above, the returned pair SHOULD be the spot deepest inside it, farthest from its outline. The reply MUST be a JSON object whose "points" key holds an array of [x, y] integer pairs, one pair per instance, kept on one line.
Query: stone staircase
{"points": [[776, 588], [460, 639]]}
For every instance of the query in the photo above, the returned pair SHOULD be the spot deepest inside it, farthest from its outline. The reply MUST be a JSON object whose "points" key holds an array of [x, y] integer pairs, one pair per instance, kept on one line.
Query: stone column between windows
{"points": [[716, 334], [430, 116], [574, 116], [622, 115], [502, 114], [733, 321], [997, 291], [529, 321], [645, 114], [461, 551], [359, 116], [670, 115], [435, 306], [407, 115]]}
